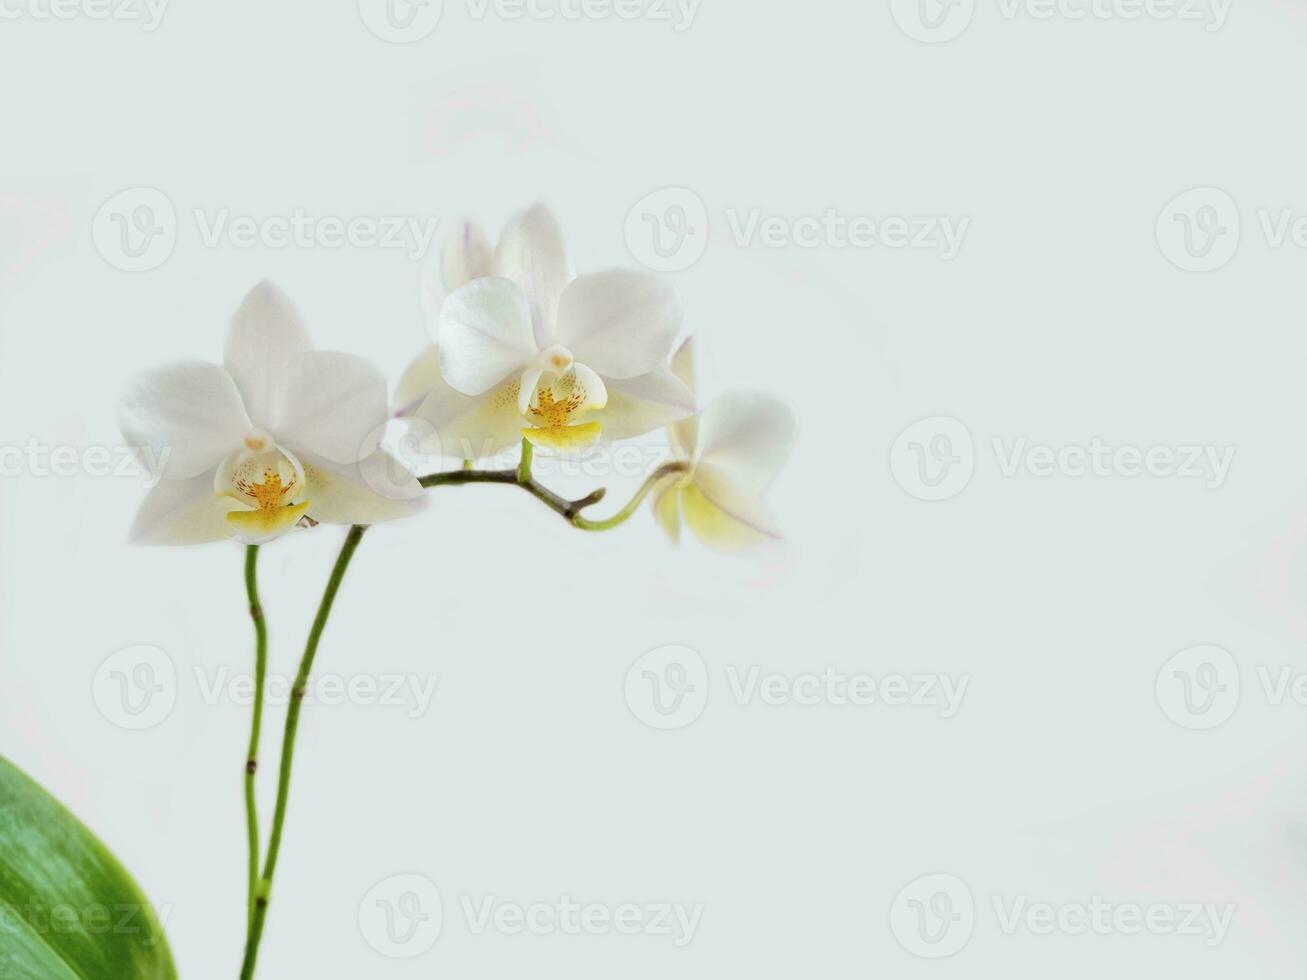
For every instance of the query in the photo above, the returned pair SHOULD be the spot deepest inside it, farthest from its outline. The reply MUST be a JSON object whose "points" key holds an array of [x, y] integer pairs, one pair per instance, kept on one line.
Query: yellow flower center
{"points": [[266, 479], [556, 404]]}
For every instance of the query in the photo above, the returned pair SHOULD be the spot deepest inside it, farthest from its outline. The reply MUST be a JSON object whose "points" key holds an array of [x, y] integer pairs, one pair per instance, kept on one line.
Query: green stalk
{"points": [[608, 523], [264, 886], [524, 465], [256, 723]]}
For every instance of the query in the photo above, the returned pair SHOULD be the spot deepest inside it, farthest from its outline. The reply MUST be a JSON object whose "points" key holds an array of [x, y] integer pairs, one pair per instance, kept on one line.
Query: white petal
{"points": [[749, 435], [468, 426], [735, 501], [466, 257], [371, 491], [526, 391], [621, 323], [416, 382], [183, 419], [484, 334], [531, 253], [596, 392], [715, 527], [685, 432], [183, 512], [639, 405], [266, 338], [334, 406], [683, 363]]}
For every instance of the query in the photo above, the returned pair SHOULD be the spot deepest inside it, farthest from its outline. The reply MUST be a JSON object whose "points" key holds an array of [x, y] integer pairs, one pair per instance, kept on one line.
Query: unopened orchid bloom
{"points": [[732, 451], [525, 349], [278, 435]]}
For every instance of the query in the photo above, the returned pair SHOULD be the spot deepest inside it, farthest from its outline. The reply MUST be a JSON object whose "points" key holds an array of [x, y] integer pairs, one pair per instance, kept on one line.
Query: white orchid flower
{"points": [[466, 256], [276, 434], [733, 450], [523, 348]]}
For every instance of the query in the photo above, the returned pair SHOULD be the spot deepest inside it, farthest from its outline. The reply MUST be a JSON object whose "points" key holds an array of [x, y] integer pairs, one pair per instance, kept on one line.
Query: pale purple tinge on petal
{"points": [[450, 423], [416, 382], [182, 512], [531, 253], [466, 256], [267, 336], [334, 406], [620, 322], [639, 405], [374, 490], [483, 335], [749, 435], [183, 419]]}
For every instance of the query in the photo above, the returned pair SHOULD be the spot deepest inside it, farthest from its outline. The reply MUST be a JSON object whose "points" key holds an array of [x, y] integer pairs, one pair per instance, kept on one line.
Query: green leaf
{"points": [[68, 909]]}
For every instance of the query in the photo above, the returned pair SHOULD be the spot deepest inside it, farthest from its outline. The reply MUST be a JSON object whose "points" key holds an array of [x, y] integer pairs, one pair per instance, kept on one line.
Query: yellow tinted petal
{"points": [[257, 526], [667, 508], [713, 526], [564, 438]]}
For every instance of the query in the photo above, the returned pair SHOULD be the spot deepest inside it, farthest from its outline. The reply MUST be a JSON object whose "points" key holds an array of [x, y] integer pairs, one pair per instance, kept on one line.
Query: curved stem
{"points": [[256, 723], [264, 885], [567, 508], [667, 469]]}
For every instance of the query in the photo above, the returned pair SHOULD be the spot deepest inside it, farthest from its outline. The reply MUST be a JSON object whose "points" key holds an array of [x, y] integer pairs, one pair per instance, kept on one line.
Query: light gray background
{"points": [[1061, 319]]}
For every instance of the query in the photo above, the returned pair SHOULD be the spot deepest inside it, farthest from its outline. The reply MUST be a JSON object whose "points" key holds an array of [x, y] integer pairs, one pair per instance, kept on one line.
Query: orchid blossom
{"points": [[525, 349], [278, 435], [281, 436], [731, 453]]}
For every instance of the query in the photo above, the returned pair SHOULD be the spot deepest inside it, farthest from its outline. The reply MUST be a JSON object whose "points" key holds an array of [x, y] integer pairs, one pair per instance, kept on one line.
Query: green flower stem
{"points": [[607, 524], [524, 466], [264, 885], [256, 724]]}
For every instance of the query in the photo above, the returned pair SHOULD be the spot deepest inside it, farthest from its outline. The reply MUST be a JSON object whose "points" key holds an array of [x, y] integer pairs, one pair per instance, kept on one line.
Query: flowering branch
{"points": [[570, 510]]}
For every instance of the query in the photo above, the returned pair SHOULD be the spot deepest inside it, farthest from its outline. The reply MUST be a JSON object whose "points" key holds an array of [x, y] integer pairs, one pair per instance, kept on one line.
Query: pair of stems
{"points": [[260, 885]]}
